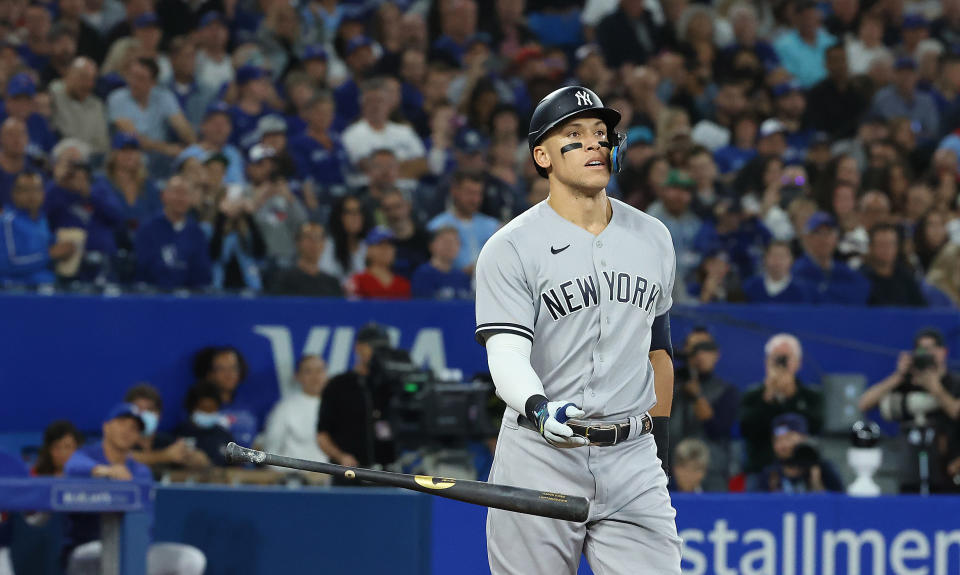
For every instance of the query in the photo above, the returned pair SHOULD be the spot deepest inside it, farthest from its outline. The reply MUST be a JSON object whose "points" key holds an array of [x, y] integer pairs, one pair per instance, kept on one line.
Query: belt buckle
{"points": [[616, 432]]}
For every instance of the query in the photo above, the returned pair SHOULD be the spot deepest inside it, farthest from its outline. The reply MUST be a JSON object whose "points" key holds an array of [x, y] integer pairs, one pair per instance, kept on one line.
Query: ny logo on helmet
{"points": [[583, 98]]}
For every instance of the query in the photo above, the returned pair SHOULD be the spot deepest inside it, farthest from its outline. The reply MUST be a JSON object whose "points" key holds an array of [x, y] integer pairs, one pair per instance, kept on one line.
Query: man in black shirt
{"points": [[353, 428], [305, 277], [835, 104], [891, 283]]}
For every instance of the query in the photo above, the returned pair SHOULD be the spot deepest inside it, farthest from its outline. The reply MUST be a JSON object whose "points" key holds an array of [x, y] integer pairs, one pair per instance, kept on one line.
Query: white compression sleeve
{"points": [[508, 356]]}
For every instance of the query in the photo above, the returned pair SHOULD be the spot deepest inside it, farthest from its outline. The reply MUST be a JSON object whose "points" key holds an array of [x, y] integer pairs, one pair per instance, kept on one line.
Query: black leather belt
{"points": [[601, 434]]}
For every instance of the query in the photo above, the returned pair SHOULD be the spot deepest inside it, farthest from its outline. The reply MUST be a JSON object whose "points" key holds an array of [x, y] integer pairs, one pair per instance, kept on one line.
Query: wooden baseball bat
{"points": [[530, 501]]}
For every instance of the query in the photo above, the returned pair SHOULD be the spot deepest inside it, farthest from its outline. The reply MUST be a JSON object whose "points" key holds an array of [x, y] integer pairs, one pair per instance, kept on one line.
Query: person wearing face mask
{"points": [[206, 428], [158, 449]]}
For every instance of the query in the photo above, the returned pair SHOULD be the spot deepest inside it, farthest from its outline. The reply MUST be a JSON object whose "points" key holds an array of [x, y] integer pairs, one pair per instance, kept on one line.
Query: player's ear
{"points": [[541, 158]]}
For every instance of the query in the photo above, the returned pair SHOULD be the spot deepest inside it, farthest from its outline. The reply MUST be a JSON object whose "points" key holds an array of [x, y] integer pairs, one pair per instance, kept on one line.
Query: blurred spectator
{"points": [[707, 189], [790, 104], [781, 392], [171, 248], [360, 60], [946, 28], [798, 468], [206, 428], [214, 66], [19, 103], [291, 428], [466, 194], [73, 203], [279, 213], [742, 147], [254, 92], [691, 460], [715, 280], [831, 280], [409, 237], [352, 428], [892, 284], [318, 152], [930, 238], [903, 99], [226, 369], [382, 170], [13, 155], [157, 449], [125, 178], [801, 49], [705, 406], [835, 104], [437, 278], [279, 38], [673, 209], [215, 139], [944, 272], [77, 111], [36, 27], [272, 133], [374, 130], [236, 246], [112, 459], [26, 245], [88, 41], [629, 34], [60, 440], [304, 278], [867, 46], [345, 252], [377, 280], [742, 237], [775, 284], [853, 238], [194, 97]]}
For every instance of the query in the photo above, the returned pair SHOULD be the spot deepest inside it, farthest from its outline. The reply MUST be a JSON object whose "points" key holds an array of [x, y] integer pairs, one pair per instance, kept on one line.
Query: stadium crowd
{"points": [[798, 151]]}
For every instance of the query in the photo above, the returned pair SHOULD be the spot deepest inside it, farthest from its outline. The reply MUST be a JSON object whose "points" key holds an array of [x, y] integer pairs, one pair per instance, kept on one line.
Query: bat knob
{"points": [[236, 454], [232, 453]]}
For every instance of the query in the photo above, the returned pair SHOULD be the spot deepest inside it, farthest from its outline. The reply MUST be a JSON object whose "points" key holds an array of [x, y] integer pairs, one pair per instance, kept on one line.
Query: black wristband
{"points": [[661, 435], [535, 410]]}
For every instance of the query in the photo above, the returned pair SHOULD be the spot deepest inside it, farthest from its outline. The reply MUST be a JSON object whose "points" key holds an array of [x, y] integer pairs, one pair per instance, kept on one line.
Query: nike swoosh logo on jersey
{"points": [[555, 251]]}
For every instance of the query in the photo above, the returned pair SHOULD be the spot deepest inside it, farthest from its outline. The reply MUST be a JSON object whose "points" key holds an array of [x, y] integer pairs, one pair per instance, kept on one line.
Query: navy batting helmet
{"points": [[565, 103]]}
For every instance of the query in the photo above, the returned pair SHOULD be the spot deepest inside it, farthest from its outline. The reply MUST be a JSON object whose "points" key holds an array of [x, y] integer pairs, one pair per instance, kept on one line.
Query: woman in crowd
{"points": [[344, 253], [60, 440], [125, 176], [226, 369]]}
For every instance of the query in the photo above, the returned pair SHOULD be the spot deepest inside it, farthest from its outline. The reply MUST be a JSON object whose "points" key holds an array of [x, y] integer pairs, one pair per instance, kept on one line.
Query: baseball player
{"points": [[572, 305]]}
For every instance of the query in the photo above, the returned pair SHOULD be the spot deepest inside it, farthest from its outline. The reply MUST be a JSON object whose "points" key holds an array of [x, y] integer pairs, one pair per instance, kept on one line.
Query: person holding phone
{"points": [[781, 392]]}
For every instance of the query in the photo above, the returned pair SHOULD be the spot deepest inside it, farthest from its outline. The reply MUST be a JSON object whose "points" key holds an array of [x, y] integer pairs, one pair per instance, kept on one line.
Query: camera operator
{"points": [[923, 395], [353, 428], [798, 467], [705, 406], [781, 392]]}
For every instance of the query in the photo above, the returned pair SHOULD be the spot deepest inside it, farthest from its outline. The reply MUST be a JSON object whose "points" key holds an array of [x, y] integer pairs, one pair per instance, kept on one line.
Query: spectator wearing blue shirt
{"points": [[437, 278], [790, 104], [226, 369], [903, 99], [19, 104], [194, 98], [25, 240], [360, 59], [742, 146], [831, 281], [318, 153], [742, 238], [73, 203], [745, 23], [13, 155], [466, 193], [171, 248], [37, 25], [112, 459], [150, 112], [253, 87], [775, 284], [215, 139], [802, 49]]}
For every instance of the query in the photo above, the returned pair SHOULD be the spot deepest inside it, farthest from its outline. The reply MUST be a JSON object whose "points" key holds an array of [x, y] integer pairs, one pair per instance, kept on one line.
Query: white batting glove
{"points": [[550, 418]]}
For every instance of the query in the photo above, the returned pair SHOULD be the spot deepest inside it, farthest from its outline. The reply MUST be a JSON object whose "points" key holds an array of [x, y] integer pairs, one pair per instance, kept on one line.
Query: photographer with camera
{"points": [[278, 212], [704, 405], [353, 428], [798, 467], [781, 392], [922, 395]]}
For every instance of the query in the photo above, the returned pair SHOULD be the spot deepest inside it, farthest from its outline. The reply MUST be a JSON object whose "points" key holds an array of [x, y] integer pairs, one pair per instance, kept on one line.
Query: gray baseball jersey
{"points": [[587, 302]]}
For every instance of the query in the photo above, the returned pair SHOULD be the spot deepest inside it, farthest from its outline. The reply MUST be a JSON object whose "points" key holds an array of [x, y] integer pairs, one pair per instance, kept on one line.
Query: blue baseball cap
{"points": [[210, 18], [125, 141], [905, 63], [785, 88], [820, 219], [21, 85], [639, 135], [470, 141], [314, 52], [378, 235], [787, 422], [126, 410], [248, 73], [914, 21], [146, 20], [217, 108], [358, 42]]}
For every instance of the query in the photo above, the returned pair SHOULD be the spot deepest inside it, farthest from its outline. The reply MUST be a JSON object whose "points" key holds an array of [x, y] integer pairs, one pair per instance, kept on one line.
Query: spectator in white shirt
{"points": [[291, 428], [214, 66], [868, 45], [374, 131]]}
